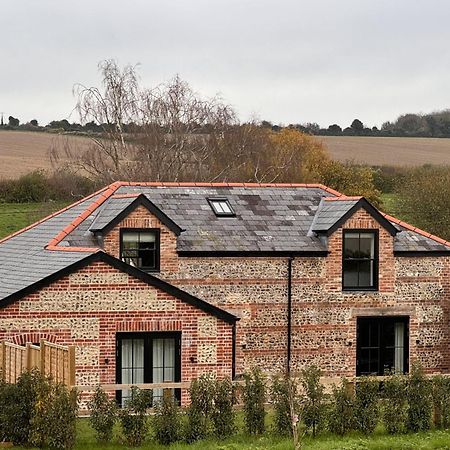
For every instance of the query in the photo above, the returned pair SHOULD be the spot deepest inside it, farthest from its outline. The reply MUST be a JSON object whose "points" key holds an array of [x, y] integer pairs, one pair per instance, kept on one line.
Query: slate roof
{"points": [[269, 219]]}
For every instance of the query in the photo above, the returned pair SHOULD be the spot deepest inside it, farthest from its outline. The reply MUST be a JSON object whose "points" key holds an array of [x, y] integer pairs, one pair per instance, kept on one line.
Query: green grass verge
{"points": [[435, 439], [15, 216]]}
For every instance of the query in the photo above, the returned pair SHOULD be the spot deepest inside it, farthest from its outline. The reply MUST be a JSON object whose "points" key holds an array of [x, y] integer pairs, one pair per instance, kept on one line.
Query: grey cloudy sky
{"points": [[286, 61]]}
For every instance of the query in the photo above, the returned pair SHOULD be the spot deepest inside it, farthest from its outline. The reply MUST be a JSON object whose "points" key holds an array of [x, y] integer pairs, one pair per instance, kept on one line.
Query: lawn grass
{"points": [[435, 439], [15, 216]]}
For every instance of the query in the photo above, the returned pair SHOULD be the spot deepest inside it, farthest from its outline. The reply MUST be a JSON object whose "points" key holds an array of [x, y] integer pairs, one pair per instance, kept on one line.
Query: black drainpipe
{"points": [[289, 317]]}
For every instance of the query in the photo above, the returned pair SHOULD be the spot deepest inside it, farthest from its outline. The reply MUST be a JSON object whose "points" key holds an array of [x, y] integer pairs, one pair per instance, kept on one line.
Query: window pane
{"points": [[225, 207], [147, 237], [365, 274], [218, 207], [399, 356], [148, 259], [130, 237], [351, 245], [350, 273], [366, 245]]}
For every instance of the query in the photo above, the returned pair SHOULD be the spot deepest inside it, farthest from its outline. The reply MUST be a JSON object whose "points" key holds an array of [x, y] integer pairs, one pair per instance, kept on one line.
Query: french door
{"points": [[148, 358], [382, 345]]}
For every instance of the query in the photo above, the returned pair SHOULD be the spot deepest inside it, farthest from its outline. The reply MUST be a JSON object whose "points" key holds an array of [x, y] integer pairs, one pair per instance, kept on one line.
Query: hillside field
{"points": [[24, 151]]}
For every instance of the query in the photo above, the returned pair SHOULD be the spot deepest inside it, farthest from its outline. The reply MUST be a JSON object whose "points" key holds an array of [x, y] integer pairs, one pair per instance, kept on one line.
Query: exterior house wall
{"points": [[88, 307], [324, 317]]}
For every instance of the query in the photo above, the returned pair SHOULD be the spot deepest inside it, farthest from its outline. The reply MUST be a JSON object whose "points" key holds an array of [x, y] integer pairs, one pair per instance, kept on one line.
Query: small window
{"points": [[140, 248], [221, 207], [360, 260]]}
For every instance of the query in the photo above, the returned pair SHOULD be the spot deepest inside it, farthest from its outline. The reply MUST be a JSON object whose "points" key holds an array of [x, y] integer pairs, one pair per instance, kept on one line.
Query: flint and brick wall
{"points": [[324, 317], [88, 307]]}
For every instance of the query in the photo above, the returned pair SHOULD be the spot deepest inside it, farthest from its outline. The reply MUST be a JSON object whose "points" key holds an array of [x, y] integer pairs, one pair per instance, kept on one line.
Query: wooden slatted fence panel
{"points": [[53, 360]]}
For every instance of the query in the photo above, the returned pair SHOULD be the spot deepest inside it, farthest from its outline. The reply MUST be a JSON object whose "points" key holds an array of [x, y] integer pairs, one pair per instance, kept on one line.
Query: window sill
{"points": [[358, 289]]}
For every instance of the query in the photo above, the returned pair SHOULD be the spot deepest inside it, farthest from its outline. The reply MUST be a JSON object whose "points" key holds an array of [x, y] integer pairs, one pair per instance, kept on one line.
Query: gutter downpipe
{"points": [[289, 317]]}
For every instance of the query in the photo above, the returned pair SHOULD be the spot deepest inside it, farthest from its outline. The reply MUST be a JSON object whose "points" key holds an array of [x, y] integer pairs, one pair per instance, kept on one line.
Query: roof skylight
{"points": [[221, 207]]}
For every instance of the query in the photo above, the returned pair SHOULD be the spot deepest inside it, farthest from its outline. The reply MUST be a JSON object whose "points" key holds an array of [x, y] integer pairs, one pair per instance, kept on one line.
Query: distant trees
{"points": [[357, 126], [13, 122]]}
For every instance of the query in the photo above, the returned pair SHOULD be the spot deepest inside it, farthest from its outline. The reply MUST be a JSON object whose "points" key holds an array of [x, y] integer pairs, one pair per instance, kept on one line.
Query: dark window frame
{"points": [[157, 232], [376, 259], [148, 337], [380, 322], [211, 201]]}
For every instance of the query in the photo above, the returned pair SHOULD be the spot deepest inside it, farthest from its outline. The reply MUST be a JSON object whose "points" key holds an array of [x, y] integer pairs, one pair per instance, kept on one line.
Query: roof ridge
{"points": [[415, 229], [53, 244], [50, 216], [343, 197]]}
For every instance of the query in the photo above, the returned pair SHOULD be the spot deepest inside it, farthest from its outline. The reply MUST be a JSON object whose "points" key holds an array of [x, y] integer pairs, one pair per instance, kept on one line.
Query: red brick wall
{"points": [[76, 310]]}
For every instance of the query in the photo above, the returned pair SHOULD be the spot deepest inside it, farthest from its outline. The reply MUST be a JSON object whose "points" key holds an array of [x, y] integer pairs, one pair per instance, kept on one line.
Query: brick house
{"points": [[164, 281]]}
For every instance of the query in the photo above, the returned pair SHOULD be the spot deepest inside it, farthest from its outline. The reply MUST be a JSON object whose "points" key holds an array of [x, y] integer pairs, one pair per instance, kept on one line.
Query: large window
{"points": [[140, 248], [360, 260], [148, 358], [382, 345]]}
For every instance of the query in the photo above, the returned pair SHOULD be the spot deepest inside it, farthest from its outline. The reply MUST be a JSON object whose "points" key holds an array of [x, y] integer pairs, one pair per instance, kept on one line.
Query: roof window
{"points": [[221, 207]]}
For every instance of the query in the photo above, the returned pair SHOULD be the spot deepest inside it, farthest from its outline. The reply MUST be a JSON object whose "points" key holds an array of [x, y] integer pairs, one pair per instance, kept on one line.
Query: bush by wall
{"points": [[341, 412], [282, 410], [167, 420], [419, 400], [254, 397], [313, 402], [366, 404], [441, 401], [223, 416], [133, 417], [103, 414], [201, 392], [394, 403]]}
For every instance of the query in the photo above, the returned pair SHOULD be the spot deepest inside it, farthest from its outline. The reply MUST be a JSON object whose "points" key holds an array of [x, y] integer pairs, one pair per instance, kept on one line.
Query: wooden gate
{"points": [[53, 360]]}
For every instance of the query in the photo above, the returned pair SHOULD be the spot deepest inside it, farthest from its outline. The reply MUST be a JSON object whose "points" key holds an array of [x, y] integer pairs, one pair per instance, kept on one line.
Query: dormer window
{"points": [[221, 207], [140, 248], [360, 260]]}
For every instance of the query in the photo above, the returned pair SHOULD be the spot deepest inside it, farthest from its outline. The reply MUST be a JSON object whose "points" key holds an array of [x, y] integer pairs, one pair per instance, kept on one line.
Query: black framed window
{"points": [[148, 358], [360, 260], [382, 345], [221, 207], [140, 248]]}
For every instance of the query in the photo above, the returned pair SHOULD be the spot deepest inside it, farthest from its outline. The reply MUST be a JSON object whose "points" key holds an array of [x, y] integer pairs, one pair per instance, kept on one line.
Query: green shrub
{"points": [[341, 413], [366, 411], [167, 421], [281, 406], [254, 397], [201, 392], [395, 404], [133, 418], [313, 409], [223, 417], [419, 400], [441, 401], [54, 416], [17, 407], [63, 412], [103, 415]]}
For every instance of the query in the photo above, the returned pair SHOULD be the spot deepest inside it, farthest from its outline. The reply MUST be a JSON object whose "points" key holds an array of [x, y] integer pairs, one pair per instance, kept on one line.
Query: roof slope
{"points": [[269, 219]]}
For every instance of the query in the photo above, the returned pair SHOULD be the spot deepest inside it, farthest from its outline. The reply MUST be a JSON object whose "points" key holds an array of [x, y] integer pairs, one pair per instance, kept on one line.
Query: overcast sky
{"points": [[287, 61]]}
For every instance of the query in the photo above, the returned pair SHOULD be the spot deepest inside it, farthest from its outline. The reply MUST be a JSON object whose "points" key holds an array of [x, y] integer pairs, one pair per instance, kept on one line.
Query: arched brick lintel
{"points": [[22, 339]]}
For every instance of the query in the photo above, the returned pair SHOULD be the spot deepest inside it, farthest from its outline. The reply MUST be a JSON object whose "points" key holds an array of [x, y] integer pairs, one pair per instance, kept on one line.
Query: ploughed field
{"points": [[388, 151], [24, 151]]}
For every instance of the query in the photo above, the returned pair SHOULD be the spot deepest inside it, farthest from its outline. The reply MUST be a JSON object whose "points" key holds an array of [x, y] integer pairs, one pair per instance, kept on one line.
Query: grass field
{"points": [[354, 441], [24, 151], [14, 216]]}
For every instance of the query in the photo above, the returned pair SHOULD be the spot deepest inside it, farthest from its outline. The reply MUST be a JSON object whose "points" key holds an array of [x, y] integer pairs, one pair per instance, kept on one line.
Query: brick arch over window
{"points": [[22, 339]]}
